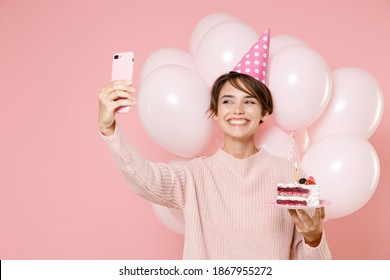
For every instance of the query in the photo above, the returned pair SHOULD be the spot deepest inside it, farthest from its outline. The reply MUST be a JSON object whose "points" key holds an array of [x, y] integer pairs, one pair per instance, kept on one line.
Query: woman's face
{"points": [[239, 113]]}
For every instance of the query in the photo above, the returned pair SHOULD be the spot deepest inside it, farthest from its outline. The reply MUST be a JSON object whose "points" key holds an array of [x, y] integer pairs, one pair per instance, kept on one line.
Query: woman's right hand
{"points": [[114, 95]]}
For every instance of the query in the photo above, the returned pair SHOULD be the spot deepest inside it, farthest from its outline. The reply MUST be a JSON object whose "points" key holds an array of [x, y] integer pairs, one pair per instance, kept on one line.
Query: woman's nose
{"points": [[239, 109]]}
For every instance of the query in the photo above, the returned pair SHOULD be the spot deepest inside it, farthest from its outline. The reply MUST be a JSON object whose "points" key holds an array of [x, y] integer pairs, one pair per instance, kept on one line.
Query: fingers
{"points": [[116, 83], [309, 226], [322, 212], [113, 105], [295, 217], [117, 93], [300, 216], [302, 219], [116, 87], [124, 102], [292, 212], [319, 215]]}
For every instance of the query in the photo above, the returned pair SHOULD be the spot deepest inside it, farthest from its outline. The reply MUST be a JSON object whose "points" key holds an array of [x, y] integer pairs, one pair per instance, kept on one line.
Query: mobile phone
{"points": [[122, 69]]}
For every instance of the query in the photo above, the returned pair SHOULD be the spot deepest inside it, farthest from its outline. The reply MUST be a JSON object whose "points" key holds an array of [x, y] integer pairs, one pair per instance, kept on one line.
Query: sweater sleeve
{"points": [[301, 251], [157, 182]]}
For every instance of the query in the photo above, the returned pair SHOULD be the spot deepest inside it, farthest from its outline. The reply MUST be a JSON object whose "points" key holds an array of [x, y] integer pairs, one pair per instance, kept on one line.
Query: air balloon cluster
{"points": [[322, 117]]}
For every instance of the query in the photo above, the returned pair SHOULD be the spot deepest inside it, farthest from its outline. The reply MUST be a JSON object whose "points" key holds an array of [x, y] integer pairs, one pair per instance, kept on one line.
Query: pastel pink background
{"points": [[62, 197]]}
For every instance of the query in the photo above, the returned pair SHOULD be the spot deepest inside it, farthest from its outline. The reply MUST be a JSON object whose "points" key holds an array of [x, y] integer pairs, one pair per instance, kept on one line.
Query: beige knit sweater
{"points": [[224, 202]]}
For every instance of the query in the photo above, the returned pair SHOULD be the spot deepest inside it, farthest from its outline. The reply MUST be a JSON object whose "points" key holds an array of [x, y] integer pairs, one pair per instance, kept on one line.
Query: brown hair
{"points": [[249, 85]]}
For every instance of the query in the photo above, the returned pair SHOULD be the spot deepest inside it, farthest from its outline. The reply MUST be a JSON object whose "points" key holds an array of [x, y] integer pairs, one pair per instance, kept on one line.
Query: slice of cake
{"points": [[303, 193]]}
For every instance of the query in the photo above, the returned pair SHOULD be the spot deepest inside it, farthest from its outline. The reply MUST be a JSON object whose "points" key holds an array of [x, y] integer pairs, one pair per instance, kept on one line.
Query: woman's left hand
{"points": [[309, 227]]}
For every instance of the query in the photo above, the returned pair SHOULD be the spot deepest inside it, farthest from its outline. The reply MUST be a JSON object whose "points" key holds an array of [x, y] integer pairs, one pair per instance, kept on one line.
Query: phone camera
{"points": [[116, 56]]}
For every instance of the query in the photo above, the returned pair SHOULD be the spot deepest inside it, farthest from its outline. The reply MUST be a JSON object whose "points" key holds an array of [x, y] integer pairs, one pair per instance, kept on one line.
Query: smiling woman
{"points": [[240, 103], [223, 197]]}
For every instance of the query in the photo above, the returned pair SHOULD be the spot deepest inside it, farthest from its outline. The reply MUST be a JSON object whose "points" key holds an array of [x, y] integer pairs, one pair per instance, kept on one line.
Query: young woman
{"points": [[223, 197]]}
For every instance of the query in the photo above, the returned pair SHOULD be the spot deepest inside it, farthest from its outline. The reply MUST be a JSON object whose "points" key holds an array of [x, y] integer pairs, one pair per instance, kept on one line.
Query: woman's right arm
{"points": [[157, 182]]}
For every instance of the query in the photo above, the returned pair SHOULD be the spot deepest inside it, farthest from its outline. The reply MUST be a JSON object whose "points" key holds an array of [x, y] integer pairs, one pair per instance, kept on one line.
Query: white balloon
{"points": [[172, 106], [300, 82], [222, 48], [346, 167], [356, 106], [170, 217], [204, 26], [280, 42], [166, 56]]}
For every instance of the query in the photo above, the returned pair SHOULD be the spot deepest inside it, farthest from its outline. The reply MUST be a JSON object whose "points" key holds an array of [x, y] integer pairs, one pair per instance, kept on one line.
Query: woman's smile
{"points": [[238, 121]]}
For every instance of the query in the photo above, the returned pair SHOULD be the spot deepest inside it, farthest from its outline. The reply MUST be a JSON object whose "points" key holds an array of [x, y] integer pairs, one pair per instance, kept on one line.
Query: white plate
{"points": [[323, 202]]}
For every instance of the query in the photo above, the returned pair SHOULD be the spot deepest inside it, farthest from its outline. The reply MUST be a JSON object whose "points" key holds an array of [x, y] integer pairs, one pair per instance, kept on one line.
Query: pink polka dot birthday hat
{"points": [[254, 63]]}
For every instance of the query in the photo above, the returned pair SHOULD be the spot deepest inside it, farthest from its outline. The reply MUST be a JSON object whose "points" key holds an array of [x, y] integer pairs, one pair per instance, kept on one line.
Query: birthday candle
{"points": [[296, 173]]}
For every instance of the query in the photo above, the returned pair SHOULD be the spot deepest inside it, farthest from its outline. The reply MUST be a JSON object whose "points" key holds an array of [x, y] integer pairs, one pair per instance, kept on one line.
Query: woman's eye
{"points": [[226, 102]]}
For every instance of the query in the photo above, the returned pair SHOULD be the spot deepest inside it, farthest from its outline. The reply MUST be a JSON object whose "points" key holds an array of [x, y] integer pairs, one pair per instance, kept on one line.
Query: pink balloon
{"points": [[222, 48], [169, 217], [204, 25], [356, 106], [280, 42], [166, 56], [300, 82], [172, 103], [347, 169]]}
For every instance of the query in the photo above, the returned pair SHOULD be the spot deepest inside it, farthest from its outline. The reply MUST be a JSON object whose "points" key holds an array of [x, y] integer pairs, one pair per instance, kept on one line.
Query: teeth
{"points": [[238, 121]]}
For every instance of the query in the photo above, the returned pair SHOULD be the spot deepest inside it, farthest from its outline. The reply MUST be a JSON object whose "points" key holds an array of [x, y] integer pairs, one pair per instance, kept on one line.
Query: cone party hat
{"points": [[255, 62]]}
